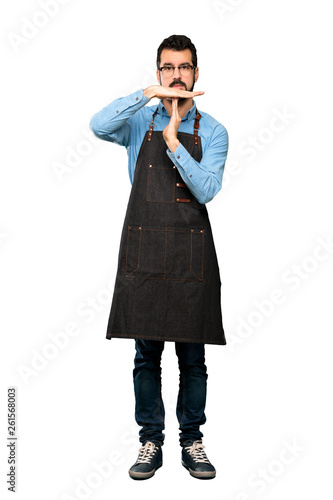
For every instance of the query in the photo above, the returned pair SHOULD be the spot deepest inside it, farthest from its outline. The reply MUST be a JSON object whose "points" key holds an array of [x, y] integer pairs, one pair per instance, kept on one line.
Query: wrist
{"points": [[172, 144], [149, 92]]}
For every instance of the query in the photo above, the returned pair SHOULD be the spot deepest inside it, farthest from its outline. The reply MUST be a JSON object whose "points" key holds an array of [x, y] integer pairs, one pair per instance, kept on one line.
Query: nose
{"points": [[176, 73]]}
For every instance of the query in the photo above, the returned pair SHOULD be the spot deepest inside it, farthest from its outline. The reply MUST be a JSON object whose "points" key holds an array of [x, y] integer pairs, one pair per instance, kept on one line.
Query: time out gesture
{"points": [[170, 96]]}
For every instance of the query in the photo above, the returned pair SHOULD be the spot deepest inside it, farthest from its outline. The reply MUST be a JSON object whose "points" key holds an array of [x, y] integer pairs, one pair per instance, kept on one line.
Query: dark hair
{"points": [[177, 42]]}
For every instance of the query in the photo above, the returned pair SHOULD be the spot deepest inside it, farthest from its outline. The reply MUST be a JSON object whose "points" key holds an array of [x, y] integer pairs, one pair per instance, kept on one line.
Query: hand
{"points": [[171, 130], [162, 92]]}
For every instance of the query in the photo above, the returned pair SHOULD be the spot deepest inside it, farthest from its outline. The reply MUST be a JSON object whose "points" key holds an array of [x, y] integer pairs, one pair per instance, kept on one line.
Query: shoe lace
{"points": [[196, 451], [146, 452]]}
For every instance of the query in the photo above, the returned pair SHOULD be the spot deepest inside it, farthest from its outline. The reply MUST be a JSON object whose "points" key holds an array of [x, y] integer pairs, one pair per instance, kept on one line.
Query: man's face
{"points": [[177, 80]]}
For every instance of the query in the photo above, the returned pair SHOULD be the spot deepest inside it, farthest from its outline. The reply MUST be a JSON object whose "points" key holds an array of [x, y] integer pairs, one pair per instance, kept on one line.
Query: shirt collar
{"points": [[191, 114]]}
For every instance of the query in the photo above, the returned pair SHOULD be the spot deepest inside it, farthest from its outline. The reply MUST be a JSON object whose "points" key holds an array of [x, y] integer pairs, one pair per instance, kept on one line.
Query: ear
{"points": [[196, 74], [158, 76]]}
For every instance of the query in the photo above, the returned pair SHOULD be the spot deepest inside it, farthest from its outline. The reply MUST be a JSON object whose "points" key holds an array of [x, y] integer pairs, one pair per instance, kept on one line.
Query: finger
{"points": [[186, 93], [174, 111], [176, 92], [174, 105]]}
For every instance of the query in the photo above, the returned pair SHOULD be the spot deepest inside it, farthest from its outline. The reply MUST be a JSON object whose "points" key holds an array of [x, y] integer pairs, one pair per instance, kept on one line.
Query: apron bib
{"points": [[168, 284]]}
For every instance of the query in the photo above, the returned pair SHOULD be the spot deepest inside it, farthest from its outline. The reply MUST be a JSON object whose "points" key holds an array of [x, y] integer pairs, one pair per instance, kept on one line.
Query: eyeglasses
{"points": [[184, 69]]}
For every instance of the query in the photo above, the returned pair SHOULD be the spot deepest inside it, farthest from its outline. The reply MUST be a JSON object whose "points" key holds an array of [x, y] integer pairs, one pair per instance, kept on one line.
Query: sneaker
{"points": [[149, 460], [194, 459]]}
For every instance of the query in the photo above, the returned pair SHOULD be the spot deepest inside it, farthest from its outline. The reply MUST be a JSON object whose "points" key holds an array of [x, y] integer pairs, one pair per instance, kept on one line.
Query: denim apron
{"points": [[168, 284]]}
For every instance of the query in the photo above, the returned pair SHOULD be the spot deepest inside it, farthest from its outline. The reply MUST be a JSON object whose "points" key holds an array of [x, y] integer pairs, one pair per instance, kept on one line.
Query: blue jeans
{"points": [[149, 408]]}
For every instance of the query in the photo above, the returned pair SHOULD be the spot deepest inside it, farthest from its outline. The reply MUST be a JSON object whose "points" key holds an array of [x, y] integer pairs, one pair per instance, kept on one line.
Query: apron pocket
{"points": [[161, 184], [184, 254], [170, 253]]}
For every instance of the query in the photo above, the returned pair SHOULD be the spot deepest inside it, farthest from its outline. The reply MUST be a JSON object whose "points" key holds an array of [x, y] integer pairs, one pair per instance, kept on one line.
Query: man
{"points": [[168, 284]]}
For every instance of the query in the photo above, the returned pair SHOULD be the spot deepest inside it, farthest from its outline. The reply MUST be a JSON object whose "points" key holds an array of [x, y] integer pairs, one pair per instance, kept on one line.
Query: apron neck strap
{"points": [[151, 125], [195, 128]]}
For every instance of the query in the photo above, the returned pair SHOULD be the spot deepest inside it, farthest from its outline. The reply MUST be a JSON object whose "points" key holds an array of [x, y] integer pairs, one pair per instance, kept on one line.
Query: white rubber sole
{"points": [[144, 475], [198, 474]]}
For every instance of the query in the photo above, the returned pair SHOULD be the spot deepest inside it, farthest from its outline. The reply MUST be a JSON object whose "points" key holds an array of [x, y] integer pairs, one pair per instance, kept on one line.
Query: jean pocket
{"points": [[169, 253]]}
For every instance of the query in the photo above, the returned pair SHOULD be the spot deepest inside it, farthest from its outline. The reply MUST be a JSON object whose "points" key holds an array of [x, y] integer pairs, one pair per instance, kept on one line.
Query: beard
{"points": [[179, 82]]}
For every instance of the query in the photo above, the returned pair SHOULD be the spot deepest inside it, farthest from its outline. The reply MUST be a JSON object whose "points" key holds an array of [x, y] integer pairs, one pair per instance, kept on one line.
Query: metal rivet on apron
{"points": [[150, 166], [174, 166]]}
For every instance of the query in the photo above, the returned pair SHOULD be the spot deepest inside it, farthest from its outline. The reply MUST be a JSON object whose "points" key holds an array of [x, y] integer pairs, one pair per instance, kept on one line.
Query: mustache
{"points": [[177, 82]]}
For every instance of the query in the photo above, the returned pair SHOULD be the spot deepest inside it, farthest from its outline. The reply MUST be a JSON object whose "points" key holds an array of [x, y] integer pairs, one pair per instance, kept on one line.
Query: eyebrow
{"points": [[181, 64]]}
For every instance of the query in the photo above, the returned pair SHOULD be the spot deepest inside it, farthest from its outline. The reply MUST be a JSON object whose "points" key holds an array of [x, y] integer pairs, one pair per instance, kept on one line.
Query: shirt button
{"points": [[178, 157], [191, 175], [136, 98], [117, 111]]}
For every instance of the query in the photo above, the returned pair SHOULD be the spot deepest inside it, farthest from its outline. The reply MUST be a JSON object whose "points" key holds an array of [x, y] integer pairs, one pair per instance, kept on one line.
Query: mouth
{"points": [[178, 85]]}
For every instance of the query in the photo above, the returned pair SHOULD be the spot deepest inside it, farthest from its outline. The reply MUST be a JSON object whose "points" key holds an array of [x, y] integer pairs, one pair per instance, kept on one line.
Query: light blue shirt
{"points": [[126, 120]]}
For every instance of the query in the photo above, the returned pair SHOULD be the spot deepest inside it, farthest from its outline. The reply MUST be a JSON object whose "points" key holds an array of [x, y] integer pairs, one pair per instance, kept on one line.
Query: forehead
{"points": [[176, 57]]}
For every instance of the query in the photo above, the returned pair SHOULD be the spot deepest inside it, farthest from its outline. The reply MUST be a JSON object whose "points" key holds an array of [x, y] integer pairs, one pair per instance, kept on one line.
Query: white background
{"points": [[269, 387]]}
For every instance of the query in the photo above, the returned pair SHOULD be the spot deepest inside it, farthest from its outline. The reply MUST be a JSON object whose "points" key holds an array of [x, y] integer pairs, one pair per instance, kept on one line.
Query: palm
{"points": [[162, 92]]}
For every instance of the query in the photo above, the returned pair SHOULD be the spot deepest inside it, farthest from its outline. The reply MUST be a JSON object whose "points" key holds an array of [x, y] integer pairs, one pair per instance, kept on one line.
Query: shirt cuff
{"points": [[136, 100], [188, 169], [139, 94], [180, 157]]}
